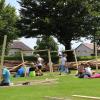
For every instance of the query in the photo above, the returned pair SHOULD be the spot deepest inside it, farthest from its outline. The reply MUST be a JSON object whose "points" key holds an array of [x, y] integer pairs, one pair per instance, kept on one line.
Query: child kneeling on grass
{"points": [[5, 77], [32, 72]]}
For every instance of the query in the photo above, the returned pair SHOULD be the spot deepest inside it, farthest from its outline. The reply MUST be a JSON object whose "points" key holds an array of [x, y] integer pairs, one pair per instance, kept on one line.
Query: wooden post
{"points": [[3, 54], [96, 56], [50, 62], [22, 56], [76, 59]]}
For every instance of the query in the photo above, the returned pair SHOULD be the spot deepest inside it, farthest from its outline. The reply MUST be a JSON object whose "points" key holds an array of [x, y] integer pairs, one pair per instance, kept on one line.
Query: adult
{"points": [[39, 64], [62, 62], [5, 77]]}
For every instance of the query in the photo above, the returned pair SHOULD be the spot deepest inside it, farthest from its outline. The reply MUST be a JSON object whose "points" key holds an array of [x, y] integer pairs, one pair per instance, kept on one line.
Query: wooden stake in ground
{"points": [[50, 62], [3, 54]]}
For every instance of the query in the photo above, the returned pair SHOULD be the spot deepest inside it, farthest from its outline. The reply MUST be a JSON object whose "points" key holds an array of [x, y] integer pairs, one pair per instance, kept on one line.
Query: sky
{"points": [[31, 42]]}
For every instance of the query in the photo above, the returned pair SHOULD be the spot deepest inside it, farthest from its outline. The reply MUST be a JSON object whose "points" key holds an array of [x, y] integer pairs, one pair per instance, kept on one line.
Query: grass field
{"points": [[65, 87]]}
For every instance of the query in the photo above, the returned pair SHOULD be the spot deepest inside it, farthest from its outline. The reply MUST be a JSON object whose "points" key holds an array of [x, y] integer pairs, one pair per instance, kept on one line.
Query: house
{"points": [[85, 49], [16, 47]]}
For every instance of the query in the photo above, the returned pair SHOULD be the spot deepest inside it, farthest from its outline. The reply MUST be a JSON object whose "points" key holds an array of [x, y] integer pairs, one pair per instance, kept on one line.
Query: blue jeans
{"points": [[61, 68]]}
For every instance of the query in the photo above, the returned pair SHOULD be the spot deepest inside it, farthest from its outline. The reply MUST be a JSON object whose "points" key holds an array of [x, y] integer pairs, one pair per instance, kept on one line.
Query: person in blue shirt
{"points": [[5, 77], [20, 72]]}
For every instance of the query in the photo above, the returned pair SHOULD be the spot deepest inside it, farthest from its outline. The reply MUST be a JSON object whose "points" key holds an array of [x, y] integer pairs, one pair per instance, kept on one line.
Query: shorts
{"points": [[39, 67]]}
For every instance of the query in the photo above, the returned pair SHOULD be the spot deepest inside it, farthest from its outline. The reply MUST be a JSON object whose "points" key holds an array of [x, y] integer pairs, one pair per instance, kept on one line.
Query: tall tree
{"points": [[8, 20], [67, 20], [46, 43]]}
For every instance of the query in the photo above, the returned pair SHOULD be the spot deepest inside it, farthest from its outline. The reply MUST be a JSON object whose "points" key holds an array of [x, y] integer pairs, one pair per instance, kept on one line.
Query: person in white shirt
{"points": [[62, 61], [88, 70], [39, 64]]}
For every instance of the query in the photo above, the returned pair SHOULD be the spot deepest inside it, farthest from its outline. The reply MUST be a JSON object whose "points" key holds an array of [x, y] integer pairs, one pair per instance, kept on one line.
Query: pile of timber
{"points": [[73, 65], [14, 64]]}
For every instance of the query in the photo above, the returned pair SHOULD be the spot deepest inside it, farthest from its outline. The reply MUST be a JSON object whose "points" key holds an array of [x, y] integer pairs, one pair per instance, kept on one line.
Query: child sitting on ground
{"points": [[81, 71], [32, 70], [88, 71]]}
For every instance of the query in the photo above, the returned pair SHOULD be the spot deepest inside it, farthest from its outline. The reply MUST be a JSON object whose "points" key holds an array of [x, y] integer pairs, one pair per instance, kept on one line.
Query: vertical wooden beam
{"points": [[3, 54], [50, 62], [22, 56], [96, 56], [76, 59]]}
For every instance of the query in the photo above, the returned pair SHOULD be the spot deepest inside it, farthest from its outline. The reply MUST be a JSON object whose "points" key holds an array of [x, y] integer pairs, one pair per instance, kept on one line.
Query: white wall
{"points": [[28, 53], [13, 51], [83, 51], [16, 51]]}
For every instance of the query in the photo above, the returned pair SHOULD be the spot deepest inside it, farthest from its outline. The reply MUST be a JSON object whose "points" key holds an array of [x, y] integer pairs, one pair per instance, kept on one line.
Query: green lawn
{"points": [[65, 87]]}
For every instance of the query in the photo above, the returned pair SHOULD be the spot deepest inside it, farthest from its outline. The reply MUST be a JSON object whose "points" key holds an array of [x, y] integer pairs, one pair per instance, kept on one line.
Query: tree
{"points": [[8, 19], [67, 20], [46, 43]]}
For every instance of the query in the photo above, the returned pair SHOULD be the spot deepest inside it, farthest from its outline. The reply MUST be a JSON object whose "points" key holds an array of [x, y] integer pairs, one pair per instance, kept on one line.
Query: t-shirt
{"points": [[40, 61], [6, 75], [21, 71], [32, 74], [63, 60], [88, 70]]}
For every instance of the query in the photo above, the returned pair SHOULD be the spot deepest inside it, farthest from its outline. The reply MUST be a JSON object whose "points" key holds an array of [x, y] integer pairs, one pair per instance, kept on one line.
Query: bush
{"points": [[81, 58]]}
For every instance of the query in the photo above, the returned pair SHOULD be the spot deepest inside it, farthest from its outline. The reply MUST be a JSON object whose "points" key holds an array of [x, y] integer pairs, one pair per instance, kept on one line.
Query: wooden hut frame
{"points": [[49, 57]]}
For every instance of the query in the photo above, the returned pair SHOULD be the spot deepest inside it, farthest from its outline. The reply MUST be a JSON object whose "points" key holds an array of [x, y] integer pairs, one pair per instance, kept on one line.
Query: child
{"points": [[88, 70], [81, 71], [32, 71], [5, 77]]}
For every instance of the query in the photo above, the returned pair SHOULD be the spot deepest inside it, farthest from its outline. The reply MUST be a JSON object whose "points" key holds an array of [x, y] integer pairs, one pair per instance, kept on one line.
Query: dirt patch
{"points": [[34, 82], [55, 98]]}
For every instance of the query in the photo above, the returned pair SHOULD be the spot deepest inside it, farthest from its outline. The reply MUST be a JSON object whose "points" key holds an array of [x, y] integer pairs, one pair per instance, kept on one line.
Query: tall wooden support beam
{"points": [[50, 62], [3, 54], [96, 56]]}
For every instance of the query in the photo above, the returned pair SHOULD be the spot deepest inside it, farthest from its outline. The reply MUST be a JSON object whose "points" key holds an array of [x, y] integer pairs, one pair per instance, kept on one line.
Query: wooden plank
{"points": [[87, 97], [40, 50], [16, 67]]}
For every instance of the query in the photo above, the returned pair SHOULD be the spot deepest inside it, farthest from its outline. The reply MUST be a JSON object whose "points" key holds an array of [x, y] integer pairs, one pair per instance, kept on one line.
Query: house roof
{"points": [[19, 45], [89, 45]]}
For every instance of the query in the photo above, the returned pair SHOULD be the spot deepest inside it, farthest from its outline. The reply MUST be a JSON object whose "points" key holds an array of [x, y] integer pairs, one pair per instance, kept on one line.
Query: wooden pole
{"points": [[50, 62], [22, 55], [40, 50], [3, 54], [96, 56], [76, 59]]}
